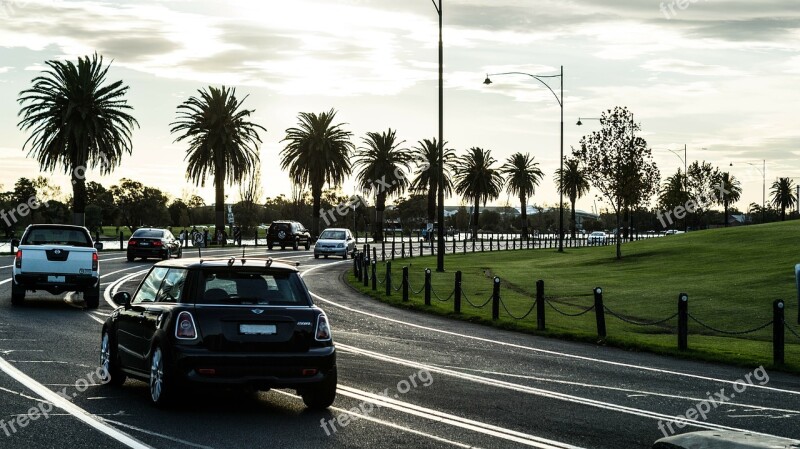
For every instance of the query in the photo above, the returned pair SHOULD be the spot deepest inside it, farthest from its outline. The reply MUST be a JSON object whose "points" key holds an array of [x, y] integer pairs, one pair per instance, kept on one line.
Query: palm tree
{"points": [[522, 177], [78, 122], [317, 152], [223, 143], [783, 195], [426, 157], [477, 180], [575, 184], [383, 166], [671, 195], [730, 192]]}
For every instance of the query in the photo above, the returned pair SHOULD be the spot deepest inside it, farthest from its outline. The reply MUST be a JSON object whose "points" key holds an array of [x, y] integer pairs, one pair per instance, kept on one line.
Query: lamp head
{"points": [[487, 81], [579, 122]]}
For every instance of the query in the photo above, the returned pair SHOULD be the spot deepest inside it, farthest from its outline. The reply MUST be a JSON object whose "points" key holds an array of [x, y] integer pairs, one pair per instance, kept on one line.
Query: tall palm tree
{"points": [[477, 180], [317, 152], [383, 166], [522, 177], [426, 157], [223, 143], [731, 192], [783, 195], [78, 122], [575, 184]]}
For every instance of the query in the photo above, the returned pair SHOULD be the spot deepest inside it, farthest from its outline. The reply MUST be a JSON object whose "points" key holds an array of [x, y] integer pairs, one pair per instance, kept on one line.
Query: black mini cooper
{"points": [[222, 322]]}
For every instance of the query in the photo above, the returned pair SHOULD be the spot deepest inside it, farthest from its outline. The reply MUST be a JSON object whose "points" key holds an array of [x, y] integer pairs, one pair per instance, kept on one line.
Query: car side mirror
{"points": [[122, 298], [15, 243], [98, 246]]}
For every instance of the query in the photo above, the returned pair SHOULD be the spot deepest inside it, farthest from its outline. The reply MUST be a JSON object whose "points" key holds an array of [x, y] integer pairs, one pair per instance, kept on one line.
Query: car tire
{"points": [[296, 245], [283, 247], [161, 386], [165, 256], [316, 256], [269, 247], [17, 294], [308, 245], [321, 395], [130, 258], [92, 296], [180, 253], [326, 256], [109, 362]]}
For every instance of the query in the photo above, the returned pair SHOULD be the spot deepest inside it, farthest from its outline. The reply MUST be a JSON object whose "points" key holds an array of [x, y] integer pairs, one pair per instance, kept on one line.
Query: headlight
{"points": [[340, 245]]}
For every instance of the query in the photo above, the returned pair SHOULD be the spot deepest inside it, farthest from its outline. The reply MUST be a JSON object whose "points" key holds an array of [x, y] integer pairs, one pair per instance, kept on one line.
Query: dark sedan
{"points": [[222, 322], [153, 243]]}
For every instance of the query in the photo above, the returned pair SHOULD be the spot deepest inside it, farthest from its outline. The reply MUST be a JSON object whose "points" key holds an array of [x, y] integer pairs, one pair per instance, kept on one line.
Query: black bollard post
{"points": [[120, 240], [778, 332], [540, 320], [374, 275], [383, 251], [457, 295], [600, 312], [683, 321], [405, 283], [365, 268], [392, 248], [389, 278], [496, 299], [427, 286]]}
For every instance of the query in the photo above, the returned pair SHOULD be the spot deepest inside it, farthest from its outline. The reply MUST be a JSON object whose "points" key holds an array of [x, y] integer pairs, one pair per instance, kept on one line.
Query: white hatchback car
{"points": [[597, 238], [335, 242]]}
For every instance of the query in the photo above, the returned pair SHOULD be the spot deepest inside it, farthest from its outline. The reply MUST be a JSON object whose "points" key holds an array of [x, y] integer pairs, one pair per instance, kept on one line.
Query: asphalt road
{"points": [[405, 380]]}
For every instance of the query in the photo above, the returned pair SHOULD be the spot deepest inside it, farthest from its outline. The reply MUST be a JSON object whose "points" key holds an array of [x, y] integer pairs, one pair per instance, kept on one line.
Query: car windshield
{"points": [[148, 234], [57, 236], [241, 287], [332, 235]]}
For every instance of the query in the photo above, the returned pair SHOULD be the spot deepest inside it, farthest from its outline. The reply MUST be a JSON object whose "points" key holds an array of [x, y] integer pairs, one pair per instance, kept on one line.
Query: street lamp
{"points": [[560, 101], [683, 159], [440, 210], [763, 172]]}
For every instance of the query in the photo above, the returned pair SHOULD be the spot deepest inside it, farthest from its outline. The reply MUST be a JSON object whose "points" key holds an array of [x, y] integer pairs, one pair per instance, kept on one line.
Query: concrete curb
{"points": [[724, 440]]}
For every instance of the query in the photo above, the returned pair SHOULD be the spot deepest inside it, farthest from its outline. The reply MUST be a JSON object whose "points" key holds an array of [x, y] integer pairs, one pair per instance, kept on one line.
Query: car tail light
{"points": [[157, 243], [95, 261], [18, 259], [131, 242], [185, 328], [323, 329]]}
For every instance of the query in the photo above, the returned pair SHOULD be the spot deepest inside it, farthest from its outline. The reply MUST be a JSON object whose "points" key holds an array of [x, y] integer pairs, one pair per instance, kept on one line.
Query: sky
{"points": [[717, 77]]}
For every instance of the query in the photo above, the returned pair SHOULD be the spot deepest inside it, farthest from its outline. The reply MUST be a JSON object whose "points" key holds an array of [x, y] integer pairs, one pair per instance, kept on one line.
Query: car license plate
{"points": [[144, 244], [258, 329], [56, 279], [85, 271]]}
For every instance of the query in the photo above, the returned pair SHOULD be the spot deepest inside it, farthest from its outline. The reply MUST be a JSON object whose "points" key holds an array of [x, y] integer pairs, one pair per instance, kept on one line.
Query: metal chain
{"points": [[464, 294], [791, 330], [523, 316], [726, 332], [639, 323], [440, 299], [568, 314], [397, 289], [417, 292]]}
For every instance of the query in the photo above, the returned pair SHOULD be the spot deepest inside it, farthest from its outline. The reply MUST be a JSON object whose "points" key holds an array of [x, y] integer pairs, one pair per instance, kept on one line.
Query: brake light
{"points": [[185, 328], [95, 261], [131, 242], [323, 328], [158, 243], [18, 259]]}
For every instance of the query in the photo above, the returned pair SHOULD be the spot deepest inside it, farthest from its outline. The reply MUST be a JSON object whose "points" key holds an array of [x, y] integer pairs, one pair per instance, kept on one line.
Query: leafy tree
{"points": [[783, 195], [618, 163], [477, 180], [426, 176], [100, 196], [382, 171], [178, 213], [317, 152], [703, 186], [77, 122], [672, 194], [731, 192], [140, 205], [223, 142], [412, 211], [576, 185]]}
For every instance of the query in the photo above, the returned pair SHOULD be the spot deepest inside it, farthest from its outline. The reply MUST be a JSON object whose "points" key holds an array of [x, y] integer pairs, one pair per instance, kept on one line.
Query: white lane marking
{"points": [[388, 424], [159, 435], [544, 393], [111, 289], [101, 321], [543, 351], [5, 282], [634, 393], [23, 395], [93, 421], [453, 420], [7, 266]]}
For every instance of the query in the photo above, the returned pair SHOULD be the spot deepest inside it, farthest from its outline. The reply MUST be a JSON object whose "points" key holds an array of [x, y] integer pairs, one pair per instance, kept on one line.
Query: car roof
{"points": [[215, 262], [335, 229], [151, 229], [58, 226]]}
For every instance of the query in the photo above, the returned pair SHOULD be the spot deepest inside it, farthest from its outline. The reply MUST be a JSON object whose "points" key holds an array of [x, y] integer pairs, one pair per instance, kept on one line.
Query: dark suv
{"points": [[288, 233]]}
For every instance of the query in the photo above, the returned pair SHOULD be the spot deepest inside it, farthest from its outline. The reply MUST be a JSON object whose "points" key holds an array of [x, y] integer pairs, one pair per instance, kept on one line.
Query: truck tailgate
{"points": [[56, 259]]}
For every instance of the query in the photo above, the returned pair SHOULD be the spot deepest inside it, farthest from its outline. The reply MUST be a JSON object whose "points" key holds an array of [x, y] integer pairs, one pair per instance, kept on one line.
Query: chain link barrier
{"points": [[464, 295], [533, 306], [749, 331], [639, 323], [583, 312], [440, 299], [791, 330]]}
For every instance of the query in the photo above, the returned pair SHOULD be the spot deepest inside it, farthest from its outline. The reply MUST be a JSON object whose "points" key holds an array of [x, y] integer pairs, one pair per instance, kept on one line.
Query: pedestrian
{"points": [[205, 237]]}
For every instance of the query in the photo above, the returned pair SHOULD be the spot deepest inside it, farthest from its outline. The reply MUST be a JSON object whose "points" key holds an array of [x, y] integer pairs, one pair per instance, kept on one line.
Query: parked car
{"points": [[152, 242], [672, 232], [335, 242], [57, 259], [288, 233], [597, 238], [196, 323]]}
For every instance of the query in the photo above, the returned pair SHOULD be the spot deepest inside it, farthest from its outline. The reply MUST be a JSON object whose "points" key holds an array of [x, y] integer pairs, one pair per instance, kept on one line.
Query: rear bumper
{"points": [[262, 371], [39, 281], [149, 252]]}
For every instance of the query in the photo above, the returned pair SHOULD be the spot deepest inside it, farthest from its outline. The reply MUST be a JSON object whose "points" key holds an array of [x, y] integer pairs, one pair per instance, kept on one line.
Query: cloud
{"points": [[689, 68]]}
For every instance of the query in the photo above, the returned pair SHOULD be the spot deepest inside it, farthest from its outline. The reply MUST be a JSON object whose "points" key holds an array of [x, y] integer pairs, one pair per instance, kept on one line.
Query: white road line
{"points": [[388, 424], [539, 350], [544, 393], [159, 435], [7, 266], [79, 413]]}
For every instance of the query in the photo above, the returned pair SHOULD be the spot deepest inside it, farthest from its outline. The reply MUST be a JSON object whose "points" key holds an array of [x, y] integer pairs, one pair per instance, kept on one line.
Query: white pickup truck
{"points": [[57, 259]]}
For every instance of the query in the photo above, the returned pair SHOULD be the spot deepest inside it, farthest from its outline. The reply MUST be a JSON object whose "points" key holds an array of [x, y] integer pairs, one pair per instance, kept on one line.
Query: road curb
{"points": [[724, 440]]}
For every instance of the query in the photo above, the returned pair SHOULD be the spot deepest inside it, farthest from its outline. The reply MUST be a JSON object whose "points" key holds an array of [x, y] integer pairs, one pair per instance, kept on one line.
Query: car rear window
{"points": [[242, 287], [148, 234], [57, 236]]}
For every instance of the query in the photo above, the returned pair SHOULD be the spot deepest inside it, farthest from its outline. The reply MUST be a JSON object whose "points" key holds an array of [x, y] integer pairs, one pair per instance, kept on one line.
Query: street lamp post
{"points": [[560, 100], [440, 210], [763, 172]]}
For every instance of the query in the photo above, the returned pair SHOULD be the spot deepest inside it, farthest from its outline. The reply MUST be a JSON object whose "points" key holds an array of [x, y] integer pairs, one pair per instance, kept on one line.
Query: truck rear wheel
{"points": [[17, 294], [92, 296]]}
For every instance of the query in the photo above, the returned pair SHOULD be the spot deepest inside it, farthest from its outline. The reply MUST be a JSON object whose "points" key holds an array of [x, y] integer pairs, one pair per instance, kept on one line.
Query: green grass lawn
{"points": [[732, 277]]}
